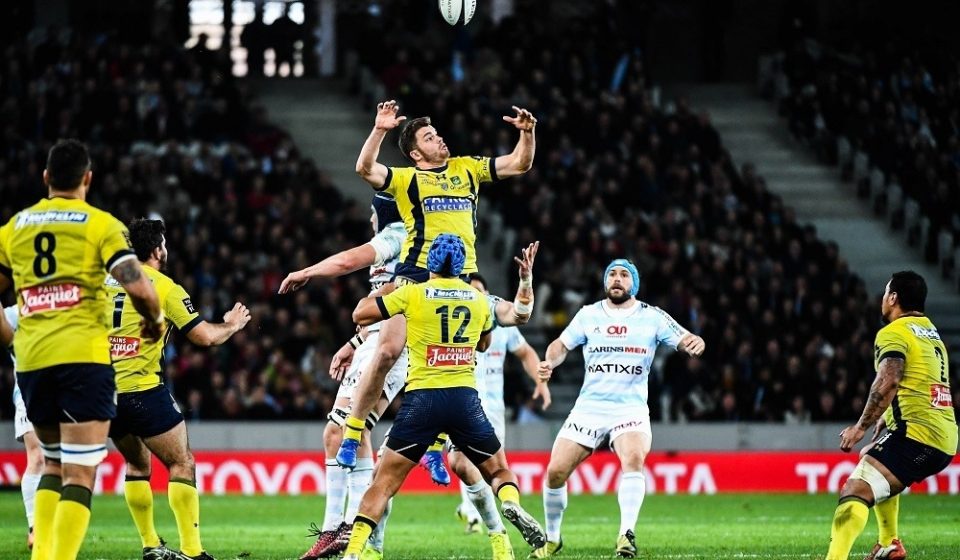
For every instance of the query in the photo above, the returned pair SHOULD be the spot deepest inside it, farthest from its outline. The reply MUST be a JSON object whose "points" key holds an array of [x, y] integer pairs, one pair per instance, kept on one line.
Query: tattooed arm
{"points": [[882, 392], [143, 295]]}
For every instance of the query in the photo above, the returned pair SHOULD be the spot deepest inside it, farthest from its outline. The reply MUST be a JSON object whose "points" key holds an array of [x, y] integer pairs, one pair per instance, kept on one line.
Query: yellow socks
{"points": [[45, 508], [71, 521], [354, 428], [185, 503], [848, 521], [439, 443], [508, 492], [888, 514], [362, 529], [139, 497]]}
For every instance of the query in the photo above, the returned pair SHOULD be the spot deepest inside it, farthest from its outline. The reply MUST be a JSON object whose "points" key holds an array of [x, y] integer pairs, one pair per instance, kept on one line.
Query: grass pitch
{"points": [[424, 526]]}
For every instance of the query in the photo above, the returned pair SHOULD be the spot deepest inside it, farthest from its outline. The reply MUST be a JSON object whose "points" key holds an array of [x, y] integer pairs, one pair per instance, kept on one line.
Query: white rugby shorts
{"points": [[20, 423], [396, 377], [590, 428]]}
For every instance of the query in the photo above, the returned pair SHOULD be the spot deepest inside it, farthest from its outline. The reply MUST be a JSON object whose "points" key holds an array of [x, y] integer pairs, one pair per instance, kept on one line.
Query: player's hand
{"points": [[151, 330], [878, 429], [293, 282], [543, 391], [850, 436], [544, 371], [693, 345], [525, 264], [341, 362], [387, 116], [239, 316], [524, 120]]}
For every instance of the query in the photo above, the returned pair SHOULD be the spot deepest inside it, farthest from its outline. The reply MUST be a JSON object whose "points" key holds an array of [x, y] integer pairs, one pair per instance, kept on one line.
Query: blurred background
{"points": [[766, 163]]}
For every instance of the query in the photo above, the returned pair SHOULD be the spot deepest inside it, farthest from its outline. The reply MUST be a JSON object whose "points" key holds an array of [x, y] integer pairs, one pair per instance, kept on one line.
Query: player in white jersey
{"points": [[620, 336], [346, 487], [23, 430], [505, 338]]}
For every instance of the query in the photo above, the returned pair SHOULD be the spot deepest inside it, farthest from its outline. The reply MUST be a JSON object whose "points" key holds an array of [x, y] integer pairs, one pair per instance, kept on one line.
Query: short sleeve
{"points": [[575, 334], [669, 331], [515, 340], [12, 315], [484, 168], [178, 307], [6, 266], [492, 303], [488, 323], [388, 243], [397, 178], [396, 301], [115, 243], [891, 343]]}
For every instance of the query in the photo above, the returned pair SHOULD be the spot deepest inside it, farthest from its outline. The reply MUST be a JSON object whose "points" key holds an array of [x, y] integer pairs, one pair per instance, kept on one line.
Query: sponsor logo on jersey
{"points": [[618, 331], [615, 368], [124, 347], [55, 297], [439, 356], [51, 217], [622, 349], [447, 204], [923, 332], [940, 396], [188, 305], [446, 293]]}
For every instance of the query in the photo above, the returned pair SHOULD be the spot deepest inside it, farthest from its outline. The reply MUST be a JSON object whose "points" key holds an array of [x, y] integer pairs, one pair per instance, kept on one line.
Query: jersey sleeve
{"points": [[575, 334], [115, 243], [12, 315], [515, 339], [396, 301], [669, 331], [492, 302], [6, 267], [488, 322], [178, 307], [891, 343], [397, 178], [484, 168], [387, 243]]}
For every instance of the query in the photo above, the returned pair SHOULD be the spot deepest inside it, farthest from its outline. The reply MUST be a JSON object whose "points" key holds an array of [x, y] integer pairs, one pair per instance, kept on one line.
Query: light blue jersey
{"points": [[618, 350], [387, 246], [490, 365]]}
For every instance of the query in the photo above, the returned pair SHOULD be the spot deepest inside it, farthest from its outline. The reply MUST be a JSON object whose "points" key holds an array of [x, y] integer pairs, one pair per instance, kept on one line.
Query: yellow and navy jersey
{"points": [[923, 405], [445, 319], [440, 200], [57, 252], [137, 361]]}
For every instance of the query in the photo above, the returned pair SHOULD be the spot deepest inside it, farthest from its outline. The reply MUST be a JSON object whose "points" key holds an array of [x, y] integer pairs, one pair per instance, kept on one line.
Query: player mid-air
{"points": [[620, 336]]}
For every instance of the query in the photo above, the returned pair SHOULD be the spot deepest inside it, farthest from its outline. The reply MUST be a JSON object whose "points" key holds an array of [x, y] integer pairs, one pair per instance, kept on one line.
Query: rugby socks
{"points": [[362, 528], [336, 495], [466, 506], [888, 517], [354, 428], [376, 537], [45, 509], [185, 503], [481, 496], [554, 504], [508, 492], [358, 480], [71, 521], [28, 488], [439, 443], [139, 497], [630, 496], [848, 521]]}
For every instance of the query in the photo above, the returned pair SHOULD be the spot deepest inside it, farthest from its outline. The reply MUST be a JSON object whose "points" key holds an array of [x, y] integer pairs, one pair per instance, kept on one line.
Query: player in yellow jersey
{"points": [[447, 322], [438, 194], [148, 419], [911, 398], [56, 254]]}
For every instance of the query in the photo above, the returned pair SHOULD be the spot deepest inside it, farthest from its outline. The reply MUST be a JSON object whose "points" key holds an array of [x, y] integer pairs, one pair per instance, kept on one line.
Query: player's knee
{"points": [[556, 477], [332, 436], [632, 461], [183, 466]]}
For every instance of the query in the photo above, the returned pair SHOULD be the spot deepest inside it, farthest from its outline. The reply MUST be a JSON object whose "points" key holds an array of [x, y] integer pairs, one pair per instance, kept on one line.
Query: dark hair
{"points": [[408, 136], [67, 162], [911, 290], [476, 276], [145, 236]]}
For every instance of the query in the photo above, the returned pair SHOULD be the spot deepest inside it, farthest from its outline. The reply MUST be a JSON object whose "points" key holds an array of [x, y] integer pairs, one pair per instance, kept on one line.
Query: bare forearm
{"points": [[882, 391], [142, 293], [525, 150], [556, 353], [6, 332], [370, 152], [221, 332]]}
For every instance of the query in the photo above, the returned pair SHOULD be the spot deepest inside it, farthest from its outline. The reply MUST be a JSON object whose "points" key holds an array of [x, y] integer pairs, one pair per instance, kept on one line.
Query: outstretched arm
{"points": [[520, 160], [367, 312], [333, 266], [369, 169], [692, 344], [215, 334]]}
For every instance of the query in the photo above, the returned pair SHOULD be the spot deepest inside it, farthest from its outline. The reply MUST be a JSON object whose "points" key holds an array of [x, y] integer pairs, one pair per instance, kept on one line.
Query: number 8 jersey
{"points": [[58, 252], [445, 319]]}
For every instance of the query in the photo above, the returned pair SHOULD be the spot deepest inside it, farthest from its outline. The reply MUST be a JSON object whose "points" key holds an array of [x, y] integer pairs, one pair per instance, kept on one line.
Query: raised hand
{"points": [[293, 282], [387, 116], [525, 264], [524, 120]]}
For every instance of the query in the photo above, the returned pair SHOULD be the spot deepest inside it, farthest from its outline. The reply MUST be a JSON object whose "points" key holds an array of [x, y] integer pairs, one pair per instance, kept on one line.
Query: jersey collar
{"points": [[440, 169]]}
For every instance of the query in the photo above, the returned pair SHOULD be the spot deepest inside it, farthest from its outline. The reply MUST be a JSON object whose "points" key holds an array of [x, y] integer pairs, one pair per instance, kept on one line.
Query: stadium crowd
{"points": [[896, 102], [172, 134], [789, 327]]}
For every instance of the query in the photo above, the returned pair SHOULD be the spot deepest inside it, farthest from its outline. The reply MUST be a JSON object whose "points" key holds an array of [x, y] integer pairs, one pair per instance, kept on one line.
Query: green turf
{"points": [[690, 527]]}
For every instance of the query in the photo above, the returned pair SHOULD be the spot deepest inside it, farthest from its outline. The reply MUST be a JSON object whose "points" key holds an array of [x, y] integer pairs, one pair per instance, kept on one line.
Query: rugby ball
{"points": [[453, 9]]}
